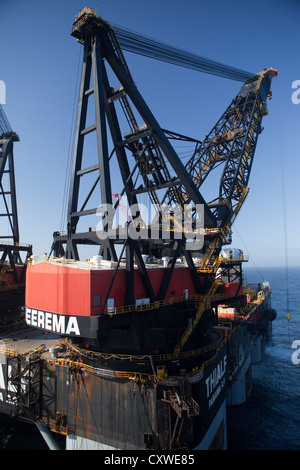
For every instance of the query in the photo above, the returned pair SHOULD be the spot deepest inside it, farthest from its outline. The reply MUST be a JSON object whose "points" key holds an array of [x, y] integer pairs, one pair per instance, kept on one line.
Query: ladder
{"points": [[202, 307]]}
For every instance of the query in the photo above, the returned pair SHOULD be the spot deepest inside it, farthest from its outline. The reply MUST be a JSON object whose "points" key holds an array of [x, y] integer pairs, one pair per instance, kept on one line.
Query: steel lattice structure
{"points": [[148, 164], [11, 251], [232, 143]]}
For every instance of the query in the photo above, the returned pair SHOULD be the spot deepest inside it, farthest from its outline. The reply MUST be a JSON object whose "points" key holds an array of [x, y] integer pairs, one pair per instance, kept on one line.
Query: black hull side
{"points": [[135, 413], [11, 300]]}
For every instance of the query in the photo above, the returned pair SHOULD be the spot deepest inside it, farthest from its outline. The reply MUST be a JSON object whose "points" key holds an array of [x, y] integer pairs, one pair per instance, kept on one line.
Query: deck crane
{"points": [[231, 143], [12, 266], [148, 163]]}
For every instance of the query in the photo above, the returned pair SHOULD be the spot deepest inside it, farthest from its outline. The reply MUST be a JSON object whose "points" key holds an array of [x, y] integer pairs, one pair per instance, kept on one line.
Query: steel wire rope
{"points": [[78, 402], [75, 400], [252, 259], [140, 428], [138, 414], [4, 123], [284, 203], [91, 409], [146, 46], [121, 405], [80, 411], [69, 159], [126, 432], [147, 412]]}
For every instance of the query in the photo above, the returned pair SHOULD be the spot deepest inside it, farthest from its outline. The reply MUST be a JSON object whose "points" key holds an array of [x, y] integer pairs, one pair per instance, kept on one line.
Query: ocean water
{"points": [[17, 435], [270, 419]]}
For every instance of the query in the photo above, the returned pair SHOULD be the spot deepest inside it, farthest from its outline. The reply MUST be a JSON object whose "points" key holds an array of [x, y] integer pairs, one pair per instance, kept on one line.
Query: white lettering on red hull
{"points": [[52, 322]]}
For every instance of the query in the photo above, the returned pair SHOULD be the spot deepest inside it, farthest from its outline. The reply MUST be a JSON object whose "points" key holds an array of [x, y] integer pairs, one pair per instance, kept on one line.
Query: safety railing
{"points": [[25, 245], [200, 298], [134, 375], [81, 17], [9, 352], [261, 297], [93, 355]]}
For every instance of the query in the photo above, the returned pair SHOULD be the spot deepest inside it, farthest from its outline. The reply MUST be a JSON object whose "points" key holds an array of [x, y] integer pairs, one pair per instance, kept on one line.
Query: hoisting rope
{"points": [[69, 159], [284, 208], [4, 123], [247, 251], [143, 45]]}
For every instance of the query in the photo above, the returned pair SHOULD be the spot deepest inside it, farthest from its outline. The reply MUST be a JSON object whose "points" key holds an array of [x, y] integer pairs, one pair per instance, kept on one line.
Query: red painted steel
{"points": [[74, 291]]}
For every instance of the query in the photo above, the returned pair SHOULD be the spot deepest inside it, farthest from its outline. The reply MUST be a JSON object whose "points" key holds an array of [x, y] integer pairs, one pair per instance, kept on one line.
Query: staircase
{"points": [[202, 307]]}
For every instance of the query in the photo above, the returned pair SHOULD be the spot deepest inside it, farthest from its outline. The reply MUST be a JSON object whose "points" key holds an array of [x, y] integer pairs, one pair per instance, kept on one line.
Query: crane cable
{"points": [[284, 207], [148, 47], [248, 252], [71, 137], [4, 123]]}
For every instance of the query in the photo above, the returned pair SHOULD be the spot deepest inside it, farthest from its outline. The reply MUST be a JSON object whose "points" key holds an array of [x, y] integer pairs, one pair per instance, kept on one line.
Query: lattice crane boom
{"points": [[231, 143]]}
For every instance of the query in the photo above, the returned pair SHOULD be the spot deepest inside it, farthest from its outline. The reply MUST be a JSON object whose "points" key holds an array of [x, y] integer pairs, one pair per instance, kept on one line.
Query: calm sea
{"points": [[270, 419]]}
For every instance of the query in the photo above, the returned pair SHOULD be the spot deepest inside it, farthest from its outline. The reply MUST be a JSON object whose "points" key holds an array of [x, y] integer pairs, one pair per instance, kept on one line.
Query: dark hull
{"points": [[155, 376], [111, 401]]}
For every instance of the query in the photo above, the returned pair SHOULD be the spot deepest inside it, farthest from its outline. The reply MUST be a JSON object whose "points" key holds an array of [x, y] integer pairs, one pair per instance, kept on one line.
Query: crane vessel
{"points": [[157, 330]]}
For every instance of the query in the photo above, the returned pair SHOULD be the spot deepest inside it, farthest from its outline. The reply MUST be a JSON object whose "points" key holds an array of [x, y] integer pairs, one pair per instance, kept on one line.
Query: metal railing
{"points": [[92, 355], [134, 375]]}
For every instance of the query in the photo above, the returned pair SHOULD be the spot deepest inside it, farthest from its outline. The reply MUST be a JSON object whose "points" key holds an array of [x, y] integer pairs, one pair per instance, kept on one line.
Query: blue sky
{"points": [[39, 64]]}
